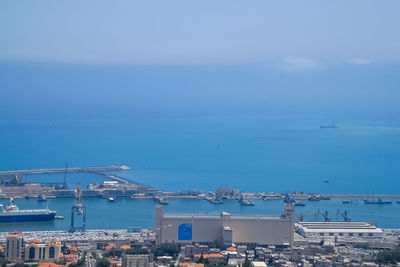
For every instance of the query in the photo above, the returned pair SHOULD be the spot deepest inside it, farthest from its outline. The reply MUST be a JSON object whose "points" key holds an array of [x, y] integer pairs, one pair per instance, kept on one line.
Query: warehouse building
{"points": [[338, 229], [231, 229]]}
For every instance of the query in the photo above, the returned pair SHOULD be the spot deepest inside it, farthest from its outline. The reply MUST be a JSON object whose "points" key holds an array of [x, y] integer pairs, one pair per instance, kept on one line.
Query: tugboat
{"points": [[161, 200], [245, 202], [299, 203], [42, 198], [13, 214]]}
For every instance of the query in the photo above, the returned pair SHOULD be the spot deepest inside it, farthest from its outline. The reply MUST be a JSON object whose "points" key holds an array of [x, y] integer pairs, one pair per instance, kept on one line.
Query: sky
{"points": [[200, 32], [98, 58]]}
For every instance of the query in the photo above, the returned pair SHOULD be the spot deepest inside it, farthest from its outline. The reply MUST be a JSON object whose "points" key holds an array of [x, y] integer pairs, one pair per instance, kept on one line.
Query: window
{"points": [[321, 234], [40, 253], [31, 253], [330, 234], [44, 253], [51, 252], [340, 234], [360, 234], [350, 234], [370, 234]]}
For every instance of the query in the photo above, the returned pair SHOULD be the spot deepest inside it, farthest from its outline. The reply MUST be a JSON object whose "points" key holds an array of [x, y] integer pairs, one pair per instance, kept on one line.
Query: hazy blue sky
{"points": [[297, 33], [96, 59]]}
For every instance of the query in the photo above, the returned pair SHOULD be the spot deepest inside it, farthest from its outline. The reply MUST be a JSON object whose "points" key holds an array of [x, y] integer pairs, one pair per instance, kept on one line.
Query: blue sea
{"points": [[250, 153]]}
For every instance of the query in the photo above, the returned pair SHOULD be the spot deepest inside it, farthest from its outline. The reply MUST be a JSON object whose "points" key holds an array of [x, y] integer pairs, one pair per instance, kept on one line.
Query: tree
{"points": [[246, 263], [388, 256], [103, 262], [218, 243]]}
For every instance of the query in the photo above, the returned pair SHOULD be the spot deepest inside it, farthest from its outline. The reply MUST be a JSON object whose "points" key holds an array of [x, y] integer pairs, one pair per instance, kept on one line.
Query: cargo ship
{"points": [[13, 214]]}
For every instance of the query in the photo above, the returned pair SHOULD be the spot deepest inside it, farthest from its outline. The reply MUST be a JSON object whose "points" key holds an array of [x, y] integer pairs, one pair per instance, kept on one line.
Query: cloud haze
{"points": [[299, 64], [202, 32]]}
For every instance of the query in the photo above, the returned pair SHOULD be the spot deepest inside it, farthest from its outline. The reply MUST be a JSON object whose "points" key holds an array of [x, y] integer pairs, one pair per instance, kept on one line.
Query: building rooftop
{"points": [[338, 227]]}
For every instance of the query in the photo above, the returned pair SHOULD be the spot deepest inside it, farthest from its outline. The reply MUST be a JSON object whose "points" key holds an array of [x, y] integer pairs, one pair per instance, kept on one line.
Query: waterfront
{"points": [[141, 212], [171, 154], [204, 153]]}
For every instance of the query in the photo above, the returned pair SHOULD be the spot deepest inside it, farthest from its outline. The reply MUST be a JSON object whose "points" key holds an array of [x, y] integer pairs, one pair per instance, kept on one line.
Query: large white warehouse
{"points": [[339, 229], [237, 229]]}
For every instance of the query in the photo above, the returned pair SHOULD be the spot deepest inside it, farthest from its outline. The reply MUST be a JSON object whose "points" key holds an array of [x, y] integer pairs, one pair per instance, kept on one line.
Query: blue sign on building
{"points": [[185, 231]]}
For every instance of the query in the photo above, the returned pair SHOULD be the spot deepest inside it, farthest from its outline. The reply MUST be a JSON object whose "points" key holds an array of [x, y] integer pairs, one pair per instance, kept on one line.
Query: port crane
{"points": [[324, 215], [302, 218], [345, 216], [78, 209]]}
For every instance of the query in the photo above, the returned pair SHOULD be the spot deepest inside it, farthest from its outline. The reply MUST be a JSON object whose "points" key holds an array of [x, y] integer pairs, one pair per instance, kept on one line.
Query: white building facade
{"points": [[237, 229], [339, 230]]}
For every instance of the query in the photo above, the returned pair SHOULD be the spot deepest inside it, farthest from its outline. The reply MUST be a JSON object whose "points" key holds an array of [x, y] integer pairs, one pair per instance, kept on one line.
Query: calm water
{"points": [[248, 153], [141, 212]]}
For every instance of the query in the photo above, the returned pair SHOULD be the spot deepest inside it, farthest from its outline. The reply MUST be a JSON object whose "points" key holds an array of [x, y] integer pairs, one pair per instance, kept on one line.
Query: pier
{"points": [[126, 186], [17, 174], [63, 170]]}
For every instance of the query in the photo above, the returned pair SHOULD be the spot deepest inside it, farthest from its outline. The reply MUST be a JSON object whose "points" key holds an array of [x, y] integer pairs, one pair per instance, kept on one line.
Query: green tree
{"points": [[103, 262], [246, 263], [388, 256]]}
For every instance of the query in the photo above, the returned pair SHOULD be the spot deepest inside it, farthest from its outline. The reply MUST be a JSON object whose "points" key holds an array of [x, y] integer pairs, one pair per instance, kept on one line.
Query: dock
{"points": [[63, 170]]}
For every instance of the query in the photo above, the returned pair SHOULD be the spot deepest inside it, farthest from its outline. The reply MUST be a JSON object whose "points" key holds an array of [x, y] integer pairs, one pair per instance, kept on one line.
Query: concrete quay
{"points": [[360, 195], [62, 170]]}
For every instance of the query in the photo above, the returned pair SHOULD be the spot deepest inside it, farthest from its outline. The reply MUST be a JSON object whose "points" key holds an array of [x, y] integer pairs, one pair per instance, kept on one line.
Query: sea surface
{"points": [[250, 153], [127, 212]]}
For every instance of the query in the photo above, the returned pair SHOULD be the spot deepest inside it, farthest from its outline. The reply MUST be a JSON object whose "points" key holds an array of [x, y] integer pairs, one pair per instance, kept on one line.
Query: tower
{"points": [[289, 214], [78, 209], [14, 246], [159, 224]]}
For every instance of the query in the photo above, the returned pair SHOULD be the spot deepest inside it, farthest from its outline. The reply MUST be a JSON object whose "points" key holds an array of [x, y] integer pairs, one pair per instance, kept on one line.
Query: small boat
{"points": [[214, 200], [161, 200], [111, 199], [245, 202], [349, 202], [377, 202], [58, 217], [314, 198], [299, 203], [42, 198]]}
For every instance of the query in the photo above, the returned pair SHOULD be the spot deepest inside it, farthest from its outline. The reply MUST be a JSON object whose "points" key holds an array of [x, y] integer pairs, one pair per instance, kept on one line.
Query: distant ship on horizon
{"points": [[329, 126]]}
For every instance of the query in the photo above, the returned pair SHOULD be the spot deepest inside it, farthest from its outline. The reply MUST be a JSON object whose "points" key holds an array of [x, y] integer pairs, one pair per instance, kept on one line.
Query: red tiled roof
{"points": [[49, 264]]}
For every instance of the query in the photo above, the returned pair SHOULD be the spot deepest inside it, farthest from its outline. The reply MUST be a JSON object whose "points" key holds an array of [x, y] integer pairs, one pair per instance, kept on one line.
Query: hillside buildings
{"points": [[17, 250]]}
